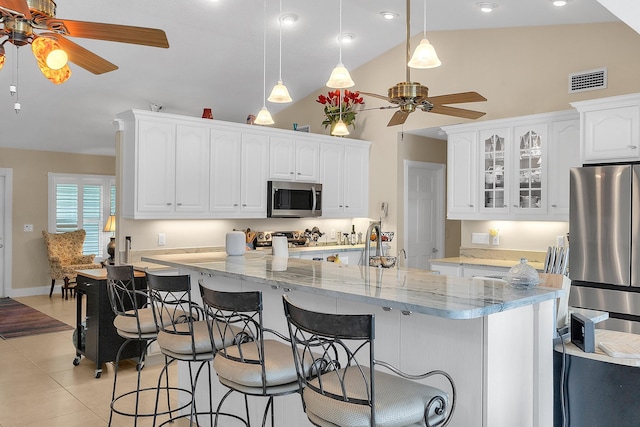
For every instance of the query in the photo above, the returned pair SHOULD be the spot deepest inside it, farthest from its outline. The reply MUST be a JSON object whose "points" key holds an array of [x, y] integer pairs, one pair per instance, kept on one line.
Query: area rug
{"points": [[19, 320]]}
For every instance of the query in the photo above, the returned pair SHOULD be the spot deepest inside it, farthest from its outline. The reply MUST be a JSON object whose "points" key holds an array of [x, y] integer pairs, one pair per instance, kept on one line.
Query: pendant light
{"points": [[340, 77], [264, 116], [425, 55], [340, 129], [279, 93]]}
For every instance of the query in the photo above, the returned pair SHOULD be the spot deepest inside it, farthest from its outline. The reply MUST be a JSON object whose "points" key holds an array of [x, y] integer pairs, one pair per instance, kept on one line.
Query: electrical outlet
{"points": [[333, 233], [28, 228], [480, 238], [161, 239]]}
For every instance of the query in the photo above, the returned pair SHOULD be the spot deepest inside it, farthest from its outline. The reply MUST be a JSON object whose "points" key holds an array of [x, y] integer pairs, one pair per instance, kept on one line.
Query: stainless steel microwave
{"points": [[293, 199]]}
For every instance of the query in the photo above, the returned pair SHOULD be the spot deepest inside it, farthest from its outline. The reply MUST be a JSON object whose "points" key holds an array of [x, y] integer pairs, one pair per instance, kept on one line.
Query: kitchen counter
{"points": [[411, 290], [486, 262], [495, 341]]}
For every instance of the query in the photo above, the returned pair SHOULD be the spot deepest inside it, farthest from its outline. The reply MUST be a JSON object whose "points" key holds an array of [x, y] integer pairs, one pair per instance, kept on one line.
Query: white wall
{"points": [[516, 235]]}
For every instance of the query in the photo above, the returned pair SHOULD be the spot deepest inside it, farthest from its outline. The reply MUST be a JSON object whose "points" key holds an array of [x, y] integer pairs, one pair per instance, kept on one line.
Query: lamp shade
{"points": [[110, 225], [340, 77], [340, 129], [264, 117], [424, 56], [279, 94], [42, 47]]}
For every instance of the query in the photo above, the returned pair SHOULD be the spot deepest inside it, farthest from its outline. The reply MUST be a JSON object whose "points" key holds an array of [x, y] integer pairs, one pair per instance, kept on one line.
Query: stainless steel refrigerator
{"points": [[604, 235]]}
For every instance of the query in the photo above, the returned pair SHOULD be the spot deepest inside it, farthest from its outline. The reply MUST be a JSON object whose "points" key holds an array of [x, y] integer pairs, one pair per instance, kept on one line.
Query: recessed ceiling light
{"points": [[559, 3], [487, 7], [346, 38], [288, 18], [389, 15]]}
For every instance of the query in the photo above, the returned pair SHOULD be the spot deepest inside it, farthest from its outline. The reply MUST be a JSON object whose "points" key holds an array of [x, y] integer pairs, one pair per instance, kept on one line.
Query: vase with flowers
{"points": [[352, 102]]}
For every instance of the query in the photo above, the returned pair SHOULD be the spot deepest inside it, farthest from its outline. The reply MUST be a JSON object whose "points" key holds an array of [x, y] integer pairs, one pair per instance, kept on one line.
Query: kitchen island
{"points": [[494, 340]]}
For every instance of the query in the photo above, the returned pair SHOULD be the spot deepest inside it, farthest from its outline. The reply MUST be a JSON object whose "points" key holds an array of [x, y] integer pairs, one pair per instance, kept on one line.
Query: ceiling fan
{"points": [[409, 96], [27, 21]]}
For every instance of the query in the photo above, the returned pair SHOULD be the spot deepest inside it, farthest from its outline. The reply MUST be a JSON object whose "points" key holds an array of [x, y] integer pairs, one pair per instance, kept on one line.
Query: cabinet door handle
{"points": [[169, 203], [633, 147], [470, 205], [346, 206], [290, 173], [386, 308], [244, 204], [274, 286], [554, 206], [286, 289], [515, 206], [405, 312], [179, 204]]}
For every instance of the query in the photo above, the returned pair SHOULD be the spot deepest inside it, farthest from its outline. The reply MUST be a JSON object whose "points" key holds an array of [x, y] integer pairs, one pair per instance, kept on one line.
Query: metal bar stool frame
{"points": [[132, 322]]}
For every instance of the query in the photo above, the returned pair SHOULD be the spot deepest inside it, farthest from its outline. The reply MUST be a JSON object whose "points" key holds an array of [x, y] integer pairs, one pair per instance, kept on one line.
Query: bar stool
{"points": [[183, 335], [253, 365], [134, 321], [345, 389]]}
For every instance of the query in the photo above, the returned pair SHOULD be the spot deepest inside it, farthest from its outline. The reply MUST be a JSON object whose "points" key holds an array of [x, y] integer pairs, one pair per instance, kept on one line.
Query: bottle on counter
{"points": [[353, 234]]}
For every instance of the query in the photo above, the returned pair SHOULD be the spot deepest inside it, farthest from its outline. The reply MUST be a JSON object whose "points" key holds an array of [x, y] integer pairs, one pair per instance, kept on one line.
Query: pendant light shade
{"points": [[279, 94], [340, 129], [264, 117], [424, 56], [340, 77]]}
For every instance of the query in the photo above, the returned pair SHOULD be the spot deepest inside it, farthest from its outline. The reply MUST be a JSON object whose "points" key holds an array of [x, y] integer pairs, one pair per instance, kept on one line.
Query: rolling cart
{"points": [[96, 338]]}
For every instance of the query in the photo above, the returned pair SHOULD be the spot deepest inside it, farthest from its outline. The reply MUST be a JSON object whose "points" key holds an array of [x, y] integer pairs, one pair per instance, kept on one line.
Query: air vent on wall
{"points": [[588, 80]]}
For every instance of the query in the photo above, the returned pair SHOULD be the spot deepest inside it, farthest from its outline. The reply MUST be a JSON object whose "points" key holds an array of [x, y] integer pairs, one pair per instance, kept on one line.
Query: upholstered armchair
{"points": [[64, 251]]}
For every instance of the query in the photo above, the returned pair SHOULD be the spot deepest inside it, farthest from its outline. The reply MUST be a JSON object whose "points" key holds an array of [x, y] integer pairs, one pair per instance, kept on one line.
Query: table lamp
{"points": [[110, 226]]}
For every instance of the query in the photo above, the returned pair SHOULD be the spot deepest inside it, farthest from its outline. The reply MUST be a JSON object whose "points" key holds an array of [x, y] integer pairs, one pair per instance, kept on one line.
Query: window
{"points": [[82, 202]]}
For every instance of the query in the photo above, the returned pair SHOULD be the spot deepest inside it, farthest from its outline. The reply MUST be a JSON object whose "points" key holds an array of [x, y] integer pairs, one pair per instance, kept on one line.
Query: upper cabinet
{"points": [[293, 159], [610, 129], [502, 169], [344, 174], [176, 167]]}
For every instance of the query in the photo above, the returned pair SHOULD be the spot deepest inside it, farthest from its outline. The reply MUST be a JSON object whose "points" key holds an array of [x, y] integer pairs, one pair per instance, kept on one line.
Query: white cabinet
{"points": [[344, 174], [177, 167], [238, 174], [294, 159], [172, 163], [610, 129], [461, 173], [565, 138], [511, 169]]}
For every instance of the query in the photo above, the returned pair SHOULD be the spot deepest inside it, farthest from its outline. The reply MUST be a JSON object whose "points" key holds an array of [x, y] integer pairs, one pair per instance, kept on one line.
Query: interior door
{"points": [[5, 229], [424, 213]]}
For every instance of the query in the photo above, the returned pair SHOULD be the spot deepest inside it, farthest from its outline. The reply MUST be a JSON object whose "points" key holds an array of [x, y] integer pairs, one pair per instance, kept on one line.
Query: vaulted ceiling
{"points": [[215, 58]]}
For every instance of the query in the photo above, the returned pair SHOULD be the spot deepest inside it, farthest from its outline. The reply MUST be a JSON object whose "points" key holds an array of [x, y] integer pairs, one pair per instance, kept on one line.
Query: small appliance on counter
{"points": [[294, 238]]}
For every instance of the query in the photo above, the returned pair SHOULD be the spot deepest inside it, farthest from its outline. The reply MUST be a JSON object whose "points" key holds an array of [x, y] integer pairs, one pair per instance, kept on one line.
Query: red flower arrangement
{"points": [[351, 103]]}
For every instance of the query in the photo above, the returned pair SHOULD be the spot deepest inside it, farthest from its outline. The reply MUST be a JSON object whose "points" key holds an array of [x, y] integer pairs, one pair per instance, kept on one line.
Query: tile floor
{"points": [[40, 387]]}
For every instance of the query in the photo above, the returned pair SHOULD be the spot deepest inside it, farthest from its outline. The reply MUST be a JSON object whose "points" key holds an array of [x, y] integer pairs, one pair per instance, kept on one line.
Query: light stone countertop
{"points": [[412, 290], [486, 262]]}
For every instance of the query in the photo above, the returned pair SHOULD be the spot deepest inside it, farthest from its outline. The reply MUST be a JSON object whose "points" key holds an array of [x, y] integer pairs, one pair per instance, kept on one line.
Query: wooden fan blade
{"points": [[16, 6], [398, 118], [111, 32], [456, 98], [83, 57], [375, 95], [457, 112]]}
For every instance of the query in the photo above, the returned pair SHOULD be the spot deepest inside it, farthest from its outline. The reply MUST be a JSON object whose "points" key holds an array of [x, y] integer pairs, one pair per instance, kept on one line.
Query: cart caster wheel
{"points": [[76, 361], [98, 373]]}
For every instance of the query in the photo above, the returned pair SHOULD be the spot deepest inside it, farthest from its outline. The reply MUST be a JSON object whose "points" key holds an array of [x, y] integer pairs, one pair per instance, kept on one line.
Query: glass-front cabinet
{"points": [[531, 145], [495, 144]]}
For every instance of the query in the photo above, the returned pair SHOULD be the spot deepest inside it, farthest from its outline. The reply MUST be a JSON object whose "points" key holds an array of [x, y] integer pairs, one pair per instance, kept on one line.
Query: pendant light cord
{"points": [[340, 32], [280, 41], [264, 57]]}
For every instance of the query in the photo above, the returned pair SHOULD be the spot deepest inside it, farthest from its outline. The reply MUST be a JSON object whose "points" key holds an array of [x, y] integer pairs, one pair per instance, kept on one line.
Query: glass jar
{"points": [[523, 276]]}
